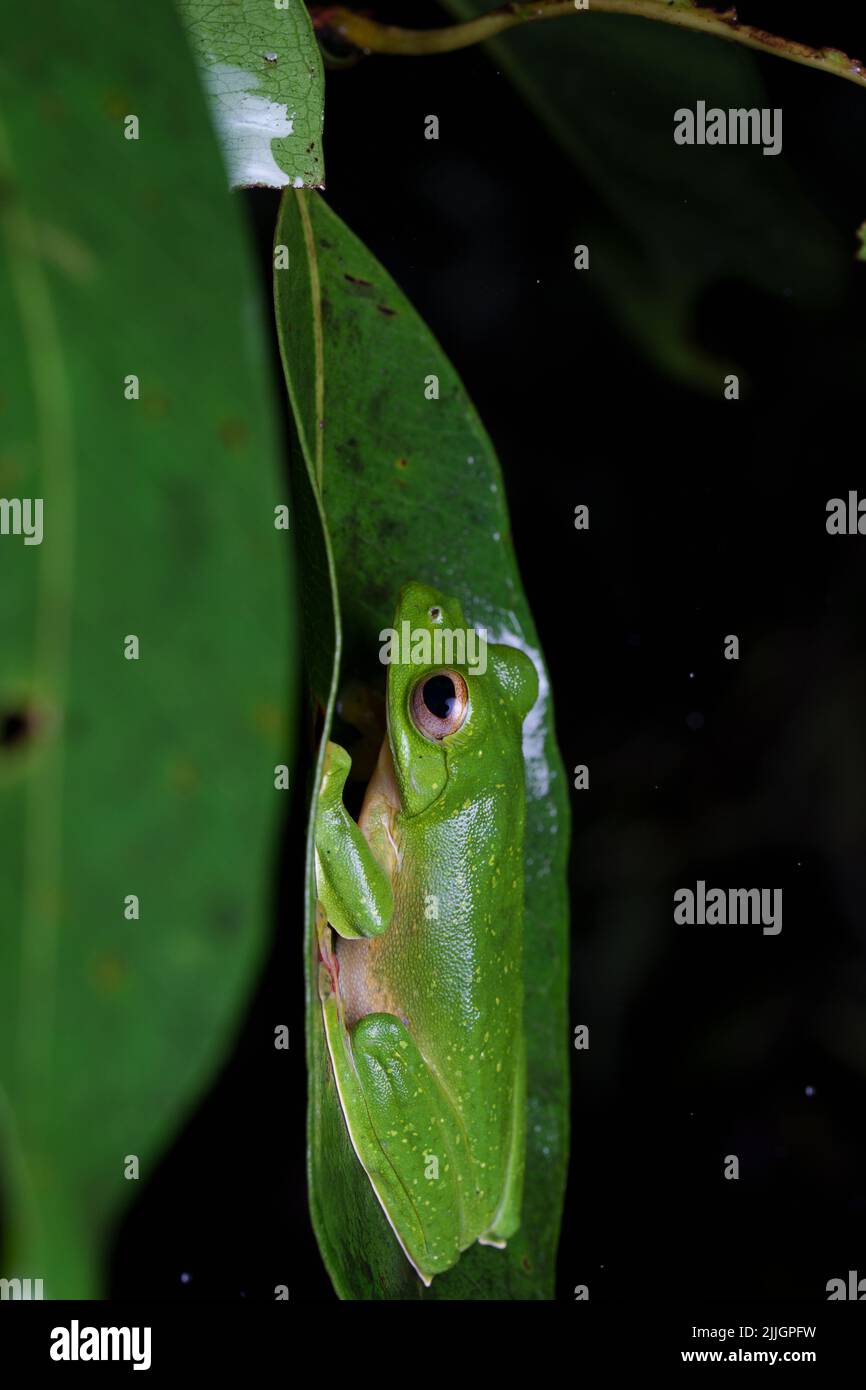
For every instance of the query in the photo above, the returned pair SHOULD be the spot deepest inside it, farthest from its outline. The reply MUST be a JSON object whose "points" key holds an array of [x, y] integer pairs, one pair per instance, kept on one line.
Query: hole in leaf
{"points": [[17, 727]]}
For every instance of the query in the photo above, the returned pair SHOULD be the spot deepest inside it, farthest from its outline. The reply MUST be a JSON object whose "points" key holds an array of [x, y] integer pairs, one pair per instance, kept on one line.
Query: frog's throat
{"points": [[382, 804]]}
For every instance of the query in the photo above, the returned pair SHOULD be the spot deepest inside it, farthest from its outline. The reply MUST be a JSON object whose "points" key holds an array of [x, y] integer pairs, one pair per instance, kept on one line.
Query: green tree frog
{"points": [[420, 942]]}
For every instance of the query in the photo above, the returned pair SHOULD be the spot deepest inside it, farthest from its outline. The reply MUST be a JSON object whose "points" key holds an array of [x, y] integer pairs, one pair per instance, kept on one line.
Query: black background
{"points": [[706, 519]]}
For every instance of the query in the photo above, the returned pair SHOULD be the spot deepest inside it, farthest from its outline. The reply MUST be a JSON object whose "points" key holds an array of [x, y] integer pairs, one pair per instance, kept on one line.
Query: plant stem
{"points": [[371, 37]]}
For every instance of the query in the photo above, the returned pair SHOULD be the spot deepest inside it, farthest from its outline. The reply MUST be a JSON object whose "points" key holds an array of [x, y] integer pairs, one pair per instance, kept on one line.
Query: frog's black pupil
{"points": [[439, 696]]}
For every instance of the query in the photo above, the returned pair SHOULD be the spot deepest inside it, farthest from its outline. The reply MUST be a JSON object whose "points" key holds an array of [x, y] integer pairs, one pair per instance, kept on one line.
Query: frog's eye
{"points": [[439, 704]]}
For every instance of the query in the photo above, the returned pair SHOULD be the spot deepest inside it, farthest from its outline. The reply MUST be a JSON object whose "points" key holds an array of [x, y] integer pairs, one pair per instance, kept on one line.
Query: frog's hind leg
{"points": [[404, 1133], [507, 1219]]}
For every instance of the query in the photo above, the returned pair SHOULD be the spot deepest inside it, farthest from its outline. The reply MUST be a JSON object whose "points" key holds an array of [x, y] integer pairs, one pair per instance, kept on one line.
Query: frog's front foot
{"points": [[352, 886]]}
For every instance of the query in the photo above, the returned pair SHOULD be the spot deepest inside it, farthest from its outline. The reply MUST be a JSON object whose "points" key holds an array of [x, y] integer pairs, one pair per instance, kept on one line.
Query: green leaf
{"points": [[675, 219], [411, 488], [155, 778], [263, 71]]}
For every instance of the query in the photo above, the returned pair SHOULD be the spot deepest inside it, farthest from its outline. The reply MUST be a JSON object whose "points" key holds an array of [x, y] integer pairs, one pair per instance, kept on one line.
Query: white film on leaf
{"points": [[246, 124]]}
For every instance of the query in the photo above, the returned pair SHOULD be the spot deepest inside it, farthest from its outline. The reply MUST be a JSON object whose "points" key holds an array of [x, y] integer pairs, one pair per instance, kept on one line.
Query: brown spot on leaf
{"points": [[109, 973], [117, 104], [183, 776], [350, 455], [233, 433], [227, 919], [155, 405], [269, 720]]}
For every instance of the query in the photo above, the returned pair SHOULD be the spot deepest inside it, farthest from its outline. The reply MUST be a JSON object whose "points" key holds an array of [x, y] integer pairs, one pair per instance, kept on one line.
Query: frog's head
{"points": [[455, 703]]}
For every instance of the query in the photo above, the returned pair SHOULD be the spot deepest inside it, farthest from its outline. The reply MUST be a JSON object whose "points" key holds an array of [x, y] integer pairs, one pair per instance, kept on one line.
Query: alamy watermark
{"points": [[418, 646], [20, 1289], [732, 907], [77, 1343], [736, 126], [22, 516], [846, 516], [854, 1288]]}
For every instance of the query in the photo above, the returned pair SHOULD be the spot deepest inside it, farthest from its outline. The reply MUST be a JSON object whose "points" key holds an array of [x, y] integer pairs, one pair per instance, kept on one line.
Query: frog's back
{"points": [[450, 967]]}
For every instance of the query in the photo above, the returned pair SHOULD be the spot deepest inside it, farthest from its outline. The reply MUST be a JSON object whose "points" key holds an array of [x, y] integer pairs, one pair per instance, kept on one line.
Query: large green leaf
{"points": [[152, 777], [410, 488], [263, 70], [674, 219]]}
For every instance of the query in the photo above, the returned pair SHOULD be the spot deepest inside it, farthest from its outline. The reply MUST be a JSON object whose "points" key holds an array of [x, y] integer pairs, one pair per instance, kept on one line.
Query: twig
{"points": [[371, 37]]}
